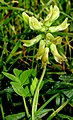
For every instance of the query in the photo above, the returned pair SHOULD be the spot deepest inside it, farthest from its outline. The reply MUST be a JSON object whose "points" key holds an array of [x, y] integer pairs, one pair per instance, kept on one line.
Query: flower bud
{"points": [[57, 40], [33, 41], [51, 39], [40, 50], [58, 58], [45, 60], [25, 17], [34, 23], [60, 27]]}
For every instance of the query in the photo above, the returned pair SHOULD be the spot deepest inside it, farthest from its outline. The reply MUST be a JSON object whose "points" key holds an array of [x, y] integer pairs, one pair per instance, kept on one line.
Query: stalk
{"points": [[36, 95], [59, 109], [26, 108]]}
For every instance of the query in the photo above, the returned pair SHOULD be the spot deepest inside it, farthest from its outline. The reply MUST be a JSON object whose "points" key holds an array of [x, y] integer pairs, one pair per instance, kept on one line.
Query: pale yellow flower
{"points": [[60, 27], [58, 58]]}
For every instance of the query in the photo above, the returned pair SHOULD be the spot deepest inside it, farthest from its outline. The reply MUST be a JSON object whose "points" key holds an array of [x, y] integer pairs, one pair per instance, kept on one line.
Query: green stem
{"points": [[2, 111], [26, 108], [12, 8], [36, 95], [33, 57], [47, 102], [59, 109]]}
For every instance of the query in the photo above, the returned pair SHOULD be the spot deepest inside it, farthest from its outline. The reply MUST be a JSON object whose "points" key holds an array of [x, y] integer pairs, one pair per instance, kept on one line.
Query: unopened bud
{"points": [[40, 50], [45, 60], [25, 17]]}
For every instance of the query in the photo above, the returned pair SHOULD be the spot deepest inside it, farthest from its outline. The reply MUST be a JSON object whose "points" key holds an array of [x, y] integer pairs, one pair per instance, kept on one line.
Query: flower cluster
{"points": [[49, 42]]}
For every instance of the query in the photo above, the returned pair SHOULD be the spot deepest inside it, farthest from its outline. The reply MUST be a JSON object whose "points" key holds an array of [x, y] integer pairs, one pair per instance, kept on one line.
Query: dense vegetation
{"points": [[36, 61]]}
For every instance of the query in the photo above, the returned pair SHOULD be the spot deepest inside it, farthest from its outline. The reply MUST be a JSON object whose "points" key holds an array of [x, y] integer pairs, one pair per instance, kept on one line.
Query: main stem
{"points": [[36, 95], [26, 108]]}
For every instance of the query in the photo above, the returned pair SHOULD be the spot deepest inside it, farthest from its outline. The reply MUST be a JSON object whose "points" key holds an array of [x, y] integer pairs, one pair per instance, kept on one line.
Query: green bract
{"points": [[60, 27], [34, 23], [31, 42]]}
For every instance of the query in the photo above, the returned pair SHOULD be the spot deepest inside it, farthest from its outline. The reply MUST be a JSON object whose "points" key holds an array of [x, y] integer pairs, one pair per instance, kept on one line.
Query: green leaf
{"points": [[17, 116], [68, 93], [65, 116], [33, 72], [27, 91], [58, 110], [24, 77], [42, 113], [47, 102], [17, 72], [11, 77], [67, 78], [18, 88], [33, 85]]}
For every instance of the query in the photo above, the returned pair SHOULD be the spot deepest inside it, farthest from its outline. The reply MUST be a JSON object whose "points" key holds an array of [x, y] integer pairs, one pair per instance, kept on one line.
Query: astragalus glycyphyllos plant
{"points": [[47, 42]]}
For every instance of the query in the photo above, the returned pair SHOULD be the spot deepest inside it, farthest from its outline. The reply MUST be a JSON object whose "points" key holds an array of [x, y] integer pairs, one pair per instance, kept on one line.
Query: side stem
{"points": [[26, 108]]}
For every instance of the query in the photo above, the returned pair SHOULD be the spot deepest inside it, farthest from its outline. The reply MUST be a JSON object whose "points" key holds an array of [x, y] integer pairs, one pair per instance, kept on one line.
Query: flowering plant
{"points": [[50, 41]]}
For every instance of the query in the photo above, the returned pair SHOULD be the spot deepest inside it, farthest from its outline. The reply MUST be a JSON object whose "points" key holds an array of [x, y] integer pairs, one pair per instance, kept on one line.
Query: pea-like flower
{"points": [[60, 27], [58, 58], [33, 41], [40, 50], [52, 16], [34, 23]]}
